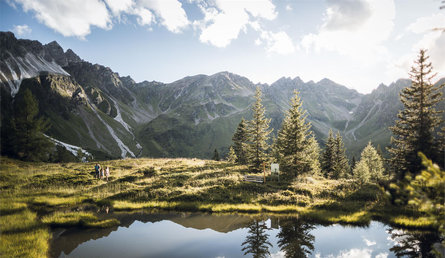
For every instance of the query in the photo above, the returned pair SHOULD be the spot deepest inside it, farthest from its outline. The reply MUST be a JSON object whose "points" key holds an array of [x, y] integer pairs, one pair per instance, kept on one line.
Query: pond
{"points": [[173, 234]]}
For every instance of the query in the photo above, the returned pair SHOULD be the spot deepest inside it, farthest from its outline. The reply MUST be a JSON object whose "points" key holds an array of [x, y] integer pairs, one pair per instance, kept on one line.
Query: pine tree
{"points": [[240, 139], [295, 238], [231, 157], [28, 138], [313, 154], [328, 158], [298, 149], [257, 240], [353, 163], [361, 172], [341, 164], [370, 165], [216, 155], [258, 133], [414, 131], [441, 148]]}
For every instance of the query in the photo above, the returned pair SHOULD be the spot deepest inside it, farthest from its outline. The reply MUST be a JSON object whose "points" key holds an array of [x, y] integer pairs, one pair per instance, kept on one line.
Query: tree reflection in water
{"points": [[257, 240], [295, 238], [415, 243]]}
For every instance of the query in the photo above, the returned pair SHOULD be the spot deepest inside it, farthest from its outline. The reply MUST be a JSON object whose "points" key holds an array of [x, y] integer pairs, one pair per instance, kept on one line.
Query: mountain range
{"points": [[94, 108]]}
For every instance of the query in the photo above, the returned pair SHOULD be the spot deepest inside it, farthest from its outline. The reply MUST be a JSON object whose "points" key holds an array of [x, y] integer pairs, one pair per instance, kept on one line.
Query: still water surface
{"points": [[145, 234]]}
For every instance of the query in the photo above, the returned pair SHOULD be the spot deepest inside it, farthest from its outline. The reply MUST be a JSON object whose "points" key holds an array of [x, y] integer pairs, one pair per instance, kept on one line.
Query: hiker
{"points": [[102, 174], [107, 173], [97, 168]]}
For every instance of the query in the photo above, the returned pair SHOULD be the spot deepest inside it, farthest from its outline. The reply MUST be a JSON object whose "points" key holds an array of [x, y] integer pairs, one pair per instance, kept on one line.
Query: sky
{"points": [[356, 43]]}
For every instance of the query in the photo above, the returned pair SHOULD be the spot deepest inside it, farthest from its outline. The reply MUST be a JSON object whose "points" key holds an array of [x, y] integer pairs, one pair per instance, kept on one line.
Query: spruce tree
{"points": [[295, 141], [370, 165], [257, 240], [258, 133], [216, 155], [353, 163], [231, 157], [29, 141], [341, 164], [441, 148], [414, 131], [328, 156], [240, 139]]}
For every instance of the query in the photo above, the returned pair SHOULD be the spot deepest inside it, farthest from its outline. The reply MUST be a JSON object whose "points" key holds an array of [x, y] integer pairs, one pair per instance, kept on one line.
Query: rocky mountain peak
{"points": [[55, 51], [72, 57]]}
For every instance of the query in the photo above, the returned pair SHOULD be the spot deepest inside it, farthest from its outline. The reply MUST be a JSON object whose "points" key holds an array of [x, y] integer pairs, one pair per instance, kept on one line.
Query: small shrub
{"points": [[149, 172]]}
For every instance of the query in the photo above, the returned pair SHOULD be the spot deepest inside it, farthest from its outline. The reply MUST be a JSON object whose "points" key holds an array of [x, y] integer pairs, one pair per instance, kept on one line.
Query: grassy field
{"points": [[37, 196]]}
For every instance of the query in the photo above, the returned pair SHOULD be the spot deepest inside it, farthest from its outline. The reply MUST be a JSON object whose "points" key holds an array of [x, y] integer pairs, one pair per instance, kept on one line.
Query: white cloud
{"points": [[357, 36], [432, 39], [353, 253], [279, 42], [171, 13], [426, 24], [279, 254], [21, 29], [118, 6], [145, 17], [369, 242], [288, 7], [69, 17], [76, 17], [224, 20], [382, 255], [346, 14]]}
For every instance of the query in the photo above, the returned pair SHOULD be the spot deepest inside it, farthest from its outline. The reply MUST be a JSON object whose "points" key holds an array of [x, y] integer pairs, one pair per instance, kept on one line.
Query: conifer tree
{"points": [[216, 155], [258, 133], [328, 156], [298, 149], [28, 138], [353, 163], [414, 131], [231, 157], [341, 163], [257, 240], [240, 140], [313, 154], [370, 165], [441, 148]]}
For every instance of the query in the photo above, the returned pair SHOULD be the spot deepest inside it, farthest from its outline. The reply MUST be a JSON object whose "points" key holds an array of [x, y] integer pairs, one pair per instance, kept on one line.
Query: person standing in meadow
{"points": [[97, 169]]}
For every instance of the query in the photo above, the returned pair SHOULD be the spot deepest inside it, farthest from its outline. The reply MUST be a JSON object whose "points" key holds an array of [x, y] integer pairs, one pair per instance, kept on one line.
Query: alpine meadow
{"points": [[96, 164]]}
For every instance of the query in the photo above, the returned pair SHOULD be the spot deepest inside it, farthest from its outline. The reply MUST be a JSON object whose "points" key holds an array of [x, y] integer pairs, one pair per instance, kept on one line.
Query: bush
{"points": [[149, 172]]}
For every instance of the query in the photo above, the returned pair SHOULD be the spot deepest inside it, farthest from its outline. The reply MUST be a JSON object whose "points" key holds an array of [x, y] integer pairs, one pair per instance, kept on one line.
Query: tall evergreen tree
{"points": [[258, 133], [216, 155], [298, 149], [257, 241], [341, 163], [370, 165], [240, 140], [29, 141], [414, 131], [328, 156], [353, 164], [441, 148], [295, 238], [231, 157]]}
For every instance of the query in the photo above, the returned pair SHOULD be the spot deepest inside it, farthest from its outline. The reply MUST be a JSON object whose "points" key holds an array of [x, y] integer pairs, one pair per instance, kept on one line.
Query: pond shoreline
{"points": [[38, 196]]}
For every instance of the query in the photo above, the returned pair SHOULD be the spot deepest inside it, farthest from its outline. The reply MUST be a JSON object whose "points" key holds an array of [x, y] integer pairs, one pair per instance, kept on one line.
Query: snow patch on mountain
{"points": [[26, 67], [71, 148]]}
